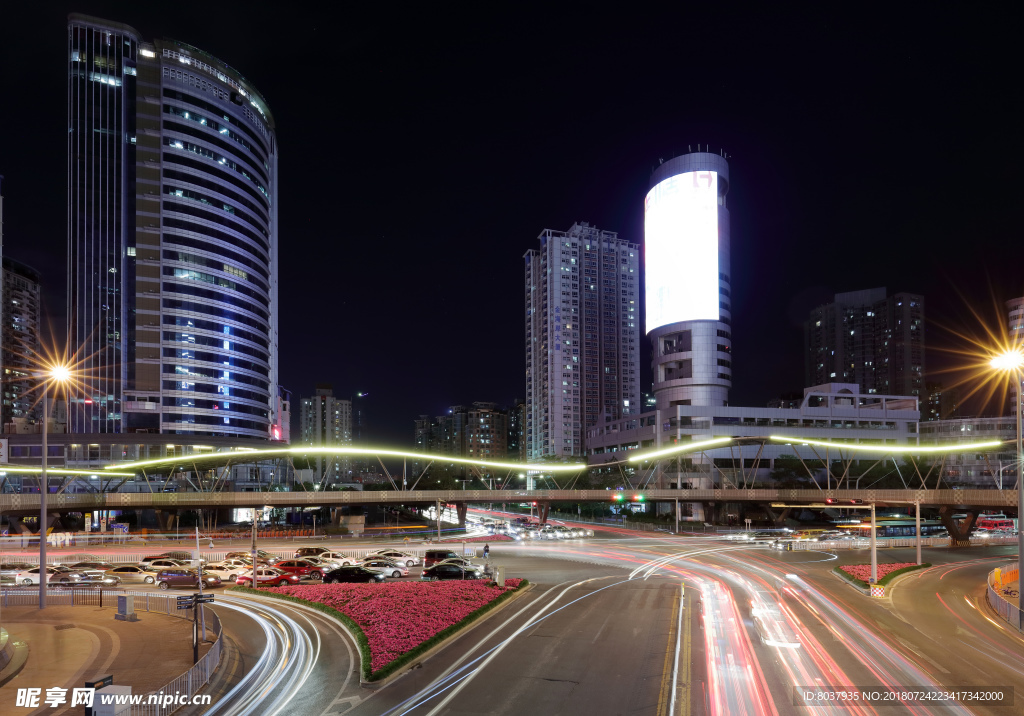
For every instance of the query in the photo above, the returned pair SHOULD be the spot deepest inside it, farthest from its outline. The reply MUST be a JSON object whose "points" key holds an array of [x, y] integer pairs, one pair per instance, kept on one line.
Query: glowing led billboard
{"points": [[681, 249]]}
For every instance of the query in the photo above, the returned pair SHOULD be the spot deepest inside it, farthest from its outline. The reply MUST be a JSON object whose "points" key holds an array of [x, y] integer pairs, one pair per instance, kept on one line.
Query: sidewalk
{"points": [[71, 645], [1015, 601]]}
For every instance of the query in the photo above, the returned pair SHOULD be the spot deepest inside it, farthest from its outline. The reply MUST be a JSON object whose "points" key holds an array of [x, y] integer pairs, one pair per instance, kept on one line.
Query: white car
{"points": [[395, 555], [385, 566], [342, 560], [226, 571]]}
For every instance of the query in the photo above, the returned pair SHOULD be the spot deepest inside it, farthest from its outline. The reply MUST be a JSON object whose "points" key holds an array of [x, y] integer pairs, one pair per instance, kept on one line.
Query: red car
{"points": [[267, 577], [301, 568]]}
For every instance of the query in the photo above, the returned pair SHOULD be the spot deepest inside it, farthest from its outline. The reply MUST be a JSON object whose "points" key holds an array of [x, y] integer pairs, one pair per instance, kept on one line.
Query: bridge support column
{"points": [[165, 519], [542, 512], [460, 510], [779, 519], [336, 516], [959, 535]]}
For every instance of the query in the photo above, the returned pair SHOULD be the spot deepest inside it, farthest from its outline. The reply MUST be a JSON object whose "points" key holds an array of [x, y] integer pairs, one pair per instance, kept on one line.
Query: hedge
{"points": [[364, 645]]}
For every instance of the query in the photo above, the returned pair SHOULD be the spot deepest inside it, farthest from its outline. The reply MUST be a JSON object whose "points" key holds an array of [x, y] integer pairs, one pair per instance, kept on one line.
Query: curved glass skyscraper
{"points": [[172, 238]]}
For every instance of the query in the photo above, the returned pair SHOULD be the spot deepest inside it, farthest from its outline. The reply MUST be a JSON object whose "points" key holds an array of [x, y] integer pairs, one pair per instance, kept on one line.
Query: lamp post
{"points": [[58, 374], [1012, 361]]}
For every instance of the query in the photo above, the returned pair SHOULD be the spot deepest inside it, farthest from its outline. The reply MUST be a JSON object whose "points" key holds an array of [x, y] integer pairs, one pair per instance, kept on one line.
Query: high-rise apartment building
{"points": [[1015, 333], [326, 421], [582, 324], [20, 316], [479, 431], [172, 238], [516, 419], [868, 338], [686, 269], [940, 402]]}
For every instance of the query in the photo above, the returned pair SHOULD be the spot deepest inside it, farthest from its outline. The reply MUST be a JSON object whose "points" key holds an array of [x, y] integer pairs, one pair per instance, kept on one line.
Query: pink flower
{"points": [[398, 616], [863, 571]]}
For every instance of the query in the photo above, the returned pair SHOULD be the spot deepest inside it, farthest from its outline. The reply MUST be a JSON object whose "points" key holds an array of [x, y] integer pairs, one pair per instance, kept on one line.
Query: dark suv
{"points": [[433, 556], [167, 578]]}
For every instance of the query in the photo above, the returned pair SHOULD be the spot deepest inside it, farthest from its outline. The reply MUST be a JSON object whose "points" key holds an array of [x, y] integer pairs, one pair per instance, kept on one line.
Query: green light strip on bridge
{"points": [[678, 449], [61, 471], [337, 452], [868, 447]]}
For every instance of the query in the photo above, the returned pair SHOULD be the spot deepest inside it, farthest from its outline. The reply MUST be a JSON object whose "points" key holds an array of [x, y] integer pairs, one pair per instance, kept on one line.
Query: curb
{"points": [[19, 656], [381, 683]]}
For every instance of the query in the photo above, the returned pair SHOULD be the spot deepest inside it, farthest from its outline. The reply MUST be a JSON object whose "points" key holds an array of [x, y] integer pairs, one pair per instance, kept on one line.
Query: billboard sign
{"points": [[681, 249]]}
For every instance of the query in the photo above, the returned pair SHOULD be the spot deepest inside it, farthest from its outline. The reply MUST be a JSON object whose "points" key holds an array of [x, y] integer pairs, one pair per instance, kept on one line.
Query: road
{"points": [[281, 658], [622, 623]]}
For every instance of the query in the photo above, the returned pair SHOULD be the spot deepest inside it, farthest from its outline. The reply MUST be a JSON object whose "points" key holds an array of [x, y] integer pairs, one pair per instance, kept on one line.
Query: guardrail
{"points": [[1009, 612], [189, 682], [892, 542], [208, 555], [91, 502]]}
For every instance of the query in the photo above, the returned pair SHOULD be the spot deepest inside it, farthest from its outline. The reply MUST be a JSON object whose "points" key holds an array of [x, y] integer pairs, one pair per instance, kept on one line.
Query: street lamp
{"points": [[58, 374], [1012, 361]]}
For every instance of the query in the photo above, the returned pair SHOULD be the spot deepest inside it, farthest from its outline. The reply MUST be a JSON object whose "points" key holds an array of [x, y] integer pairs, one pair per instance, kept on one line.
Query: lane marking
{"points": [[675, 666], [667, 683]]}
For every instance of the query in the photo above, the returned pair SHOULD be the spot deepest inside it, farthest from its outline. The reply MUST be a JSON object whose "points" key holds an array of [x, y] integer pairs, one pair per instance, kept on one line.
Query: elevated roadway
{"points": [[78, 502]]}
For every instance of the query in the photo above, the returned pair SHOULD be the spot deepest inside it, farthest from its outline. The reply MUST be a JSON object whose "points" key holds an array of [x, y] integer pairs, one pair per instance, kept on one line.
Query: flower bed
{"points": [[400, 620], [860, 574]]}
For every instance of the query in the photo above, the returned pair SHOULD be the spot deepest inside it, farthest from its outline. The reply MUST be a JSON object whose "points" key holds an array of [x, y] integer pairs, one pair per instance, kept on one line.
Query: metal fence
{"points": [[192, 680], [188, 683], [1009, 612], [56, 557]]}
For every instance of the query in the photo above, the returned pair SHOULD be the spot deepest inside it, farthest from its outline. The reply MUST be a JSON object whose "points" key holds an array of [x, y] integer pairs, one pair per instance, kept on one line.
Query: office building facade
{"points": [[172, 239], [868, 338], [686, 270], [582, 332], [21, 350], [326, 421]]}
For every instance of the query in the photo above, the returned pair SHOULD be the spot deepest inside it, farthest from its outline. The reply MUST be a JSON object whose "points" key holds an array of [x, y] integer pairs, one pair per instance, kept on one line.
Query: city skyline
{"points": [[796, 134]]}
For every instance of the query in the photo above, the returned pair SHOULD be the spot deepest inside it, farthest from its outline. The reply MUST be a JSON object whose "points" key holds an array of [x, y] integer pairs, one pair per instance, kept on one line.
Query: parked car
{"points": [[182, 577], [310, 551], [410, 560], [267, 577], [158, 564], [433, 556], [353, 573], [463, 562], [182, 556], [261, 556], [301, 567], [338, 558], [101, 566], [12, 569], [385, 566], [55, 573], [449, 571], [226, 572], [131, 574]]}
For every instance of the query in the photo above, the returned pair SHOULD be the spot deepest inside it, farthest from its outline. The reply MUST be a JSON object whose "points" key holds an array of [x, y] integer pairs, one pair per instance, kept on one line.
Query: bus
{"points": [[995, 522], [901, 527]]}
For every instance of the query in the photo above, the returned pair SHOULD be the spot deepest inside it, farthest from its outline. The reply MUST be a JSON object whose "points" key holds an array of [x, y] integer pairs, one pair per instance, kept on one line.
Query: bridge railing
{"points": [[27, 503]]}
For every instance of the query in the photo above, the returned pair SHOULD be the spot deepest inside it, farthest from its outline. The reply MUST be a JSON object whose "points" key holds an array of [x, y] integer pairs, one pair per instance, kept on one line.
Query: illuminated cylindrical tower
{"points": [[686, 264]]}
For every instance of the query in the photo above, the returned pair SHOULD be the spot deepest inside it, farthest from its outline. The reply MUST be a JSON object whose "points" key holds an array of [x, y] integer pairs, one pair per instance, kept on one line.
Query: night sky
{"points": [[422, 152]]}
